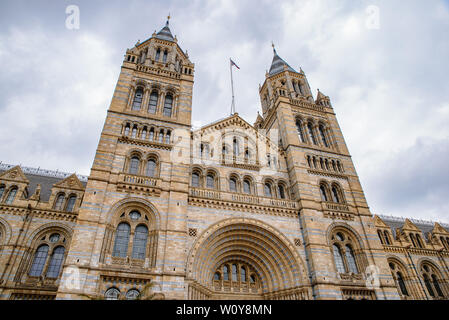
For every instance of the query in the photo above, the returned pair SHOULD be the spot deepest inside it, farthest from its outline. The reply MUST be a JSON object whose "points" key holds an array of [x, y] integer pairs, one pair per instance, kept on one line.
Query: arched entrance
{"points": [[245, 259]]}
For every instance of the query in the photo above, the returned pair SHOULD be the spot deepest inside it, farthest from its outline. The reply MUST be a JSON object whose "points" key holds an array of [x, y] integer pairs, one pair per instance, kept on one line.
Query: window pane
{"points": [[323, 136], [56, 262], [225, 273], [195, 180], [267, 189], [242, 274], [152, 105], [402, 284], [437, 285], [300, 132], [112, 294], [351, 260], [234, 272], [134, 165], [71, 203], [132, 294], [428, 285], [59, 202], [335, 196], [217, 276], [137, 99], [140, 242], [246, 187], [39, 261], [312, 135], [233, 185], [323, 193], [168, 105], [2, 190], [151, 168], [210, 182], [281, 192], [11, 196], [121, 240]]}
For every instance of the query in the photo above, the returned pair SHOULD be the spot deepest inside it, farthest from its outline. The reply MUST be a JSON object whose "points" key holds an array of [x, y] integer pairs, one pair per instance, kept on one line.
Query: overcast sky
{"points": [[387, 79]]}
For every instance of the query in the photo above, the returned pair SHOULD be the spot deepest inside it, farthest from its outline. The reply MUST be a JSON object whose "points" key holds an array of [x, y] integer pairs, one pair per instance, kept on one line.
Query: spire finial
{"points": [[272, 44], [168, 17]]}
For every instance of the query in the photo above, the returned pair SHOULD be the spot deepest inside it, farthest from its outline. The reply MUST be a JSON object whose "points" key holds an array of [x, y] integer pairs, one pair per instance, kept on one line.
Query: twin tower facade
{"points": [[270, 210]]}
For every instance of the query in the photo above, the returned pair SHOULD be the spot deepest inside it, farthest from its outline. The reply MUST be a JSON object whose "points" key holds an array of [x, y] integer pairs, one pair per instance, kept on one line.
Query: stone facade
{"points": [[273, 210]]}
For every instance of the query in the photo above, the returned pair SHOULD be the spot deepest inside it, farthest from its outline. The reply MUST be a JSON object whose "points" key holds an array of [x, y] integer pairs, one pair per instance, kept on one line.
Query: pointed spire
{"points": [[165, 33], [278, 65]]}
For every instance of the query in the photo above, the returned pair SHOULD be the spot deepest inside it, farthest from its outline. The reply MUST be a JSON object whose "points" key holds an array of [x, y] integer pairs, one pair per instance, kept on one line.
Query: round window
{"points": [[55, 237], [134, 215]]}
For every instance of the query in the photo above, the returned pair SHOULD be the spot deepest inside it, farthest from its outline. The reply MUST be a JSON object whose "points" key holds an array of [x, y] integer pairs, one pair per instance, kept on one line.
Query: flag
{"points": [[233, 64]]}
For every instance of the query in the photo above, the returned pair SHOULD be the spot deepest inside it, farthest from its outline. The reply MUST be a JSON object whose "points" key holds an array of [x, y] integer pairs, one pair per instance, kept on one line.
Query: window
{"points": [[71, 203], [236, 148], [246, 187], [161, 136], [132, 294], [437, 286], [268, 161], [323, 135], [167, 137], [387, 237], [134, 132], [338, 258], [138, 96], [242, 274], [168, 106], [419, 241], [335, 194], [158, 54], [233, 185], [59, 202], [11, 195], [112, 294], [225, 273], [267, 190], [401, 283], [151, 168], [351, 259], [56, 262], [381, 237], [246, 155], [217, 276], [127, 128], [40, 257], [144, 134], [210, 181], [281, 191], [300, 131], [2, 190], [121, 240], [412, 238], [140, 242], [311, 134], [323, 193], [428, 285], [195, 180], [135, 215], [432, 280], [234, 272], [134, 165], [152, 105], [165, 56], [151, 134]]}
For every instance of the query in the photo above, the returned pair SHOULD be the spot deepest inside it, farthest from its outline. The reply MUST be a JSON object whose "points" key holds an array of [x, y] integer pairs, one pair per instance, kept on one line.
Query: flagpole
{"points": [[232, 87]]}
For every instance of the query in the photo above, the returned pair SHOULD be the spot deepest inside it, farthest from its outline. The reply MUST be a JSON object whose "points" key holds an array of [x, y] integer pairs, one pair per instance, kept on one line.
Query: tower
{"points": [[133, 182], [333, 211]]}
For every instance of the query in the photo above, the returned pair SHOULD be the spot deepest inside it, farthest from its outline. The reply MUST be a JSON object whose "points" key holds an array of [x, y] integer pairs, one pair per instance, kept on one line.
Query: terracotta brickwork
{"points": [[273, 210]]}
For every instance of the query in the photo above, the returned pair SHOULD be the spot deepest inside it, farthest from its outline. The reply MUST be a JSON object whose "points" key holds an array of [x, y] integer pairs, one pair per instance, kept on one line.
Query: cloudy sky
{"points": [[384, 65]]}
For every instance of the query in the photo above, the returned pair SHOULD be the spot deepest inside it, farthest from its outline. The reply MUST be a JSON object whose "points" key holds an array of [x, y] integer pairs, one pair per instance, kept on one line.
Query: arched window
{"points": [[71, 204], [134, 165], [127, 128], [381, 237], [335, 194], [158, 54], [210, 181], [242, 274], [351, 259], [281, 191], [401, 283], [152, 105], [246, 187], [138, 96], [419, 241], [59, 202], [322, 164], [56, 262], [134, 132], [168, 137], [225, 273], [300, 130], [428, 285], [2, 190], [132, 294], [234, 272], [339, 166], [267, 190], [217, 276], [412, 238], [112, 294], [11, 195], [387, 238], [311, 133], [232, 185], [151, 134], [195, 180], [40, 257], [161, 136], [168, 105], [323, 193], [140, 242], [338, 258], [235, 148], [334, 166], [437, 285], [121, 240], [151, 168], [323, 135], [246, 155], [165, 56], [143, 136]]}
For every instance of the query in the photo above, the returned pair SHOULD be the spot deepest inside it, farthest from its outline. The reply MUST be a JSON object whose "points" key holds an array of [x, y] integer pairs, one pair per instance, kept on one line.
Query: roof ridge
{"points": [[43, 172]]}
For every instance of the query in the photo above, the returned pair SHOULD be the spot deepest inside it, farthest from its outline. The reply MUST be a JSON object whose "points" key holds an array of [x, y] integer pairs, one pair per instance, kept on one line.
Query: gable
{"points": [[14, 174], [72, 182]]}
